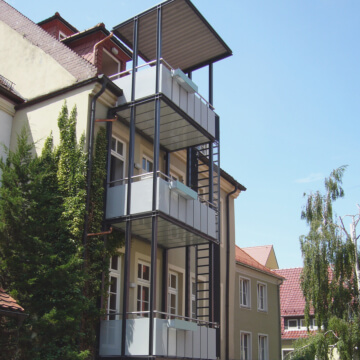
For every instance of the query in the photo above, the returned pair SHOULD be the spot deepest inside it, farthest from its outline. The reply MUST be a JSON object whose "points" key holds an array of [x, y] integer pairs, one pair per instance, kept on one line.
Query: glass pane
{"points": [[139, 271], [120, 148], [113, 144], [193, 288], [114, 262], [173, 301], [113, 301], [145, 296], [146, 272], [173, 281], [139, 293], [116, 170], [144, 163], [113, 284], [149, 166]]}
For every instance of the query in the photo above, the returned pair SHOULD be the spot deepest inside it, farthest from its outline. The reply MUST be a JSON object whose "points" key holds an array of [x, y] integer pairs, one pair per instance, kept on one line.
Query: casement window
{"points": [[173, 293], [193, 299], [312, 324], [286, 354], [245, 346], [113, 307], [62, 35], [146, 164], [262, 296], [292, 324], [143, 288], [263, 347], [117, 165], [244, 292]]}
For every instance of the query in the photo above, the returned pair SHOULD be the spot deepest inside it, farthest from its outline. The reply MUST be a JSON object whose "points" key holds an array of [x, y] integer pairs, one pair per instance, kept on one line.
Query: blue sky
{"points": [[288, 100]]}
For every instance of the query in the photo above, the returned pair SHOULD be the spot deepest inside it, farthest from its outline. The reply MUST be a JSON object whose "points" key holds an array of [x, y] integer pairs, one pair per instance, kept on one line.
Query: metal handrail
{"points": [[152, 62], [148, 174], [168, 316]]}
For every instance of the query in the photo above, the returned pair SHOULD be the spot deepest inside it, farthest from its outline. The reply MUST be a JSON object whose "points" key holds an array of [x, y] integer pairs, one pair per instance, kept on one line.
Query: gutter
{"points": [[227, 296]]}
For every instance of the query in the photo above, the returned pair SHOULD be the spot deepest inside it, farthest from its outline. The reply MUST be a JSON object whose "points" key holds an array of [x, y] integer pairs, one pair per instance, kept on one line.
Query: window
{"points": [[244, 292], [114, 289], [193, 299], [173, 293], [263, 347], [286, 354], [143, 288], [117, 167], [262, 296], [147, 164], [245, 346], [292, 324], [62, 35]]}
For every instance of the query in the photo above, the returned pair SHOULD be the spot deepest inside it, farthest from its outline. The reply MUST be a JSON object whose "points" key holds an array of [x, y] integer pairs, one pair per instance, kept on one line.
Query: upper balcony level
{"points": [[186, 118]]}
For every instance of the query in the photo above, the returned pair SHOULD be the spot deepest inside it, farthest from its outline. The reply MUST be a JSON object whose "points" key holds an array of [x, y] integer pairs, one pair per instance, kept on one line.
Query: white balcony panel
{"points": [[188, 102], [199, 342], [174, 202]]}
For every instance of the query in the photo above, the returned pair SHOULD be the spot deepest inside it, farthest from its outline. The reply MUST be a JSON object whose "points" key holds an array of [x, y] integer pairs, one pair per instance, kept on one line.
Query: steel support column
{"points": [[125, 308], [152, 304], [211, 84], [188, 310]]}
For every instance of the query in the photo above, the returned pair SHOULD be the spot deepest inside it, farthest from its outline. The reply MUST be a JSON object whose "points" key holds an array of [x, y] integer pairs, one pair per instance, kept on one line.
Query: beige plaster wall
{"points": [[41, 119], [32, 70]]}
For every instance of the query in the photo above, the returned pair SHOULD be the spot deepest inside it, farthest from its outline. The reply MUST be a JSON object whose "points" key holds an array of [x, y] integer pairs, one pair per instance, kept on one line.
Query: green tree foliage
{"points": [[42, 209], [329, 281]]}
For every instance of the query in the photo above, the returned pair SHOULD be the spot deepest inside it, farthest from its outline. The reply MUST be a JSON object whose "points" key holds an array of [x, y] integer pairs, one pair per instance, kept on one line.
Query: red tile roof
{"points": [[292, 301], [80, 68], [292, 334], [8, 303], [244, 258], [260, 253]]}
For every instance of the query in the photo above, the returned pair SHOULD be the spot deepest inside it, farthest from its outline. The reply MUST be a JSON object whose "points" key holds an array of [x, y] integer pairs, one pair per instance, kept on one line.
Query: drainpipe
{"points": [[97, 45], [104, 80], [227, 296]]}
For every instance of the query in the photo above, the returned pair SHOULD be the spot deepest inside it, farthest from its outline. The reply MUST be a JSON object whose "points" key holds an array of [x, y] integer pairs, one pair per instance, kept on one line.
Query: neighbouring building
{"points": [[264, 254], [292, 308], [10, 313], [257, 309], [171, 290]]}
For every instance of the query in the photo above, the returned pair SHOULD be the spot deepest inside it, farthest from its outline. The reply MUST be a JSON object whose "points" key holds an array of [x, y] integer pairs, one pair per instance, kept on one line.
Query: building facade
{"points": [[257, 310], [171, 288]]}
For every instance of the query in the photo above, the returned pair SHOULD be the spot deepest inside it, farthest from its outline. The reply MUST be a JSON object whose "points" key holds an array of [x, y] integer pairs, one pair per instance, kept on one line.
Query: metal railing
{"points": [[164, 316], [152, 63], [148, 175], [6, 82]]}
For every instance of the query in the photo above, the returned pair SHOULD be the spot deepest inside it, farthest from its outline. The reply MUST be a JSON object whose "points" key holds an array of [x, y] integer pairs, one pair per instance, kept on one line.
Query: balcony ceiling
{"points": [[169, 235], [176, 131], [188, 40]]}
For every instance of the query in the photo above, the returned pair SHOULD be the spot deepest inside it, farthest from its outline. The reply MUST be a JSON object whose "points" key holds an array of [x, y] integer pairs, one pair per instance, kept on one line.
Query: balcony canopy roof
{"points": [[188, 40]]}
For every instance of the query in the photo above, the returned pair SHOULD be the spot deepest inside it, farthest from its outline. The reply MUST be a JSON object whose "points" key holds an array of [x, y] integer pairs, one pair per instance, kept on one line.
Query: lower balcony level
{"points": [[173, 338], [184, 219]]}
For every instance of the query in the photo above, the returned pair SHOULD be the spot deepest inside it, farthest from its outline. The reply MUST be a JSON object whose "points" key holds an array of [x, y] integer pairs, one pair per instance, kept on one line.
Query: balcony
{"points": [[186, 118], [185, 219], [172, 338]]}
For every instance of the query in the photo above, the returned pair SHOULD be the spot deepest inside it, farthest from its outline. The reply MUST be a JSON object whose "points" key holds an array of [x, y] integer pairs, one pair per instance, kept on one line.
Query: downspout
{"points": [[97, 45], [227, 296], [104, 80]]}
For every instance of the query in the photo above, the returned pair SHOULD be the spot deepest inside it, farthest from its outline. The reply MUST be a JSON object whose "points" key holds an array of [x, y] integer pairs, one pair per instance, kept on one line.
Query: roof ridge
{"points": [[75, 64]]}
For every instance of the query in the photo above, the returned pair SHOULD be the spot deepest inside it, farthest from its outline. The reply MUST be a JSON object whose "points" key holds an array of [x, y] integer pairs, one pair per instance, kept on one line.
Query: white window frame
{"points": [[287, 357], [262, 306], [114, 273], [242, 334], [61, 35], [142, 283], [148, 160], [292, 328], [266, 347], [248, 295], [121, 157], [173, 291]]}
